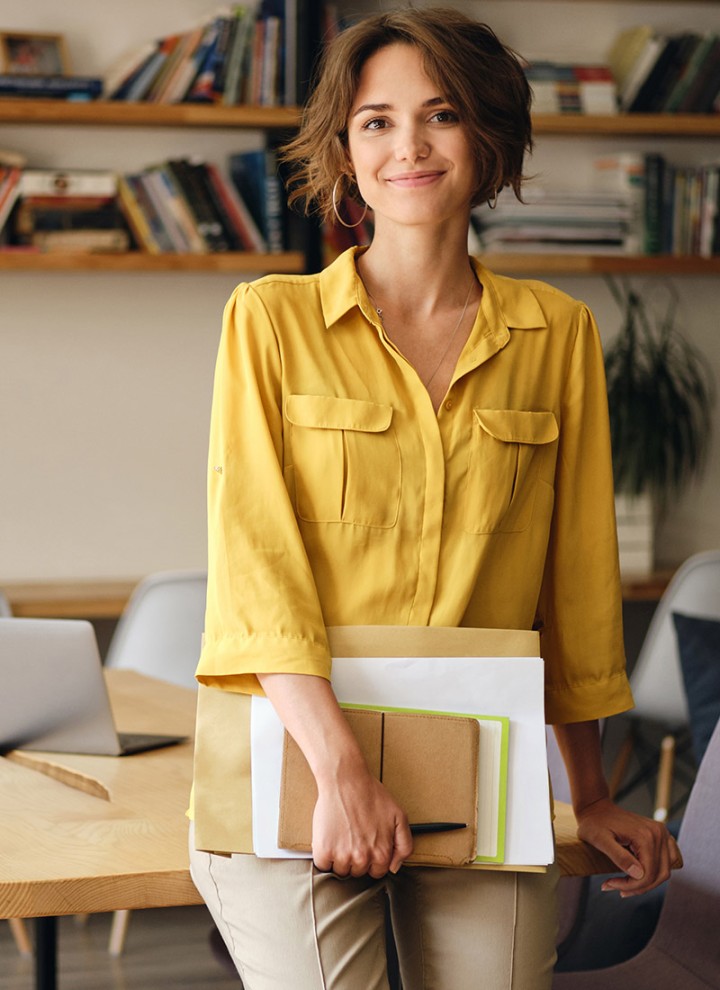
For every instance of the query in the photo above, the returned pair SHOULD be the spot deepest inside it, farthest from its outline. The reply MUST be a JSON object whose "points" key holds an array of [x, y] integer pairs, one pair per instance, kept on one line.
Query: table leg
{"points": [[46, 954]]}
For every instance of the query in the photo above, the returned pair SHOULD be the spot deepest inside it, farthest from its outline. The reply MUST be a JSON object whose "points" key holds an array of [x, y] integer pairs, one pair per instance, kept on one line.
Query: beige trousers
{"points": [[289, 927]]}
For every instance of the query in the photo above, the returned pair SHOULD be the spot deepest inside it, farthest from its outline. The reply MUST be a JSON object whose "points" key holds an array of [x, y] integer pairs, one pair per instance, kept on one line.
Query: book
{"points": [[51, 87], [652, 85], [186, 68], [176, 209], [206, 220], [147, 206], [136, 218], [231, 239], [255, 176], [439, 766], [68, 183], [625, 51], [689, 73], [201, 89], [701, 93], [9, 192], [157, 194], [126, 67], [236, 210], [654, 166], [640, 71], [238, 59], [114, 241]]}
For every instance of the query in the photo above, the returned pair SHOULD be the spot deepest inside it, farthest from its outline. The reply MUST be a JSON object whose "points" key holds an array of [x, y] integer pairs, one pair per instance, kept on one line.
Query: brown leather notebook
{"points": [[429, 763]]}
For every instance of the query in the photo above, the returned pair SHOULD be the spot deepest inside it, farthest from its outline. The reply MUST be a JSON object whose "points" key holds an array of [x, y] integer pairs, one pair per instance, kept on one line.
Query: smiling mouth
{"points": [[415, 178]]}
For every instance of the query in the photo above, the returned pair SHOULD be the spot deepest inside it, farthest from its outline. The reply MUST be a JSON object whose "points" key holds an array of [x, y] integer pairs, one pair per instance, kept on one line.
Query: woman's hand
{"points": [[358, 828], [642, 848]]}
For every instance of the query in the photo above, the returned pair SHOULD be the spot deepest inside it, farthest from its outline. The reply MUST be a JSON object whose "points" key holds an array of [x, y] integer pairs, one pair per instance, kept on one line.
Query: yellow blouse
{"points": [[337, 496]]}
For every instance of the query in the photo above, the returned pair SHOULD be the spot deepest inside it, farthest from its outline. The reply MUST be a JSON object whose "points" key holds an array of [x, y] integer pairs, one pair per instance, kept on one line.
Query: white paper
{"points": [[511, 686]]}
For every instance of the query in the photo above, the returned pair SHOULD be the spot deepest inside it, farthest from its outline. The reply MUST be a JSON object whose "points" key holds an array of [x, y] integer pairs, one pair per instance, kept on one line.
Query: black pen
{"points": [[422, 828]]}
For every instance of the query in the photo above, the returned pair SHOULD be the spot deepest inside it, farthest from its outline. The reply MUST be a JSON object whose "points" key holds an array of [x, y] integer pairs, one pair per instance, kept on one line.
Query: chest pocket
{"points": [[507, 448], [346, 460]]}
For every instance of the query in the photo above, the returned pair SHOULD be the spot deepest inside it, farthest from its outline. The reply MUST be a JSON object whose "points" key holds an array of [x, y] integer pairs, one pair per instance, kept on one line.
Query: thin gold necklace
{"points": [[426, 382]]}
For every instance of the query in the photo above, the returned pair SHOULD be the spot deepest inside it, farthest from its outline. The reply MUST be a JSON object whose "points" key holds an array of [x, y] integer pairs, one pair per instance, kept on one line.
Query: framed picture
{"points": [[26, 53]]}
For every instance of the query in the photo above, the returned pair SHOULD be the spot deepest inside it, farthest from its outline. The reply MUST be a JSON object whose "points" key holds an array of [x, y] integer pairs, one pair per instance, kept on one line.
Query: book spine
{"points": [[228, 239], [9, 194], [112, 241], [274, 204], [136, 219], [237, 211], [158, 193], [150, 212], [653, 238], [206, 221], [40, 182], [50, 86], [238, 62], [181, 211]]}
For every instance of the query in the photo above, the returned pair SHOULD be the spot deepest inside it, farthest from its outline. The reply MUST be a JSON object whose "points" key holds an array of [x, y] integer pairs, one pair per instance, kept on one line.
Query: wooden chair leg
{"points": [[21, 937], [118, 932], [663, 791]]}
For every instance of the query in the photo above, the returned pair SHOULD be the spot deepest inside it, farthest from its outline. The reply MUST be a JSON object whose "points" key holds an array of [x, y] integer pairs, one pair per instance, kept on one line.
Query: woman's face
{"points": [[407, 144]]}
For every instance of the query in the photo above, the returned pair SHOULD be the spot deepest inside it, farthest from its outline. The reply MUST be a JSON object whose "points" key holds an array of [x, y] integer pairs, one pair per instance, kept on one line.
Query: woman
{"points": [[407, 439]]}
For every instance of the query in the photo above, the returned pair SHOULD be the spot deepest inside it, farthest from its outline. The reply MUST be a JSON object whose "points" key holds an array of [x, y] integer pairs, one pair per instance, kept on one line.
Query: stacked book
{"points": [[190, 207], [682, 215], [179, 206], [77, 88], [68, 211], [561, 88], [666, 73], [557, 222], [239, 56]]}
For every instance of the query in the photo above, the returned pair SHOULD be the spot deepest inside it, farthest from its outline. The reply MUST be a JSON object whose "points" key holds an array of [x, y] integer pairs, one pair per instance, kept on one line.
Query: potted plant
{"points": [[660, 395]]}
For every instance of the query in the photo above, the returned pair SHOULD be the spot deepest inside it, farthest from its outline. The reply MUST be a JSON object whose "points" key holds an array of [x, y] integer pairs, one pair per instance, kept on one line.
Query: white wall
{"points": [[106, 378]]}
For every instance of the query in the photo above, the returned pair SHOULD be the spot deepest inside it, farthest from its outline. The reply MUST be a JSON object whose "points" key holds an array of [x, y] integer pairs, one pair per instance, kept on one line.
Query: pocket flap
{"points": [[331, 412], [518, 425]]}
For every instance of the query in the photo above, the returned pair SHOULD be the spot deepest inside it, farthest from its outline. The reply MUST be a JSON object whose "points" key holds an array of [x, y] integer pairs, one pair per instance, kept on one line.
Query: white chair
{"points": [[160, 630], [656, 680], [159, 634]]}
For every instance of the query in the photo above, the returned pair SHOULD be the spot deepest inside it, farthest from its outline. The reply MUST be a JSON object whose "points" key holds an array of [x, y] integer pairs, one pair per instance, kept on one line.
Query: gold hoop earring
{"points": [[493, 203], [335, 209]]}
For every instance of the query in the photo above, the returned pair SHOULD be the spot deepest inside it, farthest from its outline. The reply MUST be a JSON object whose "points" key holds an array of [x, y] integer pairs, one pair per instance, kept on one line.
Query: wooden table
{"points": [[82, 834]]}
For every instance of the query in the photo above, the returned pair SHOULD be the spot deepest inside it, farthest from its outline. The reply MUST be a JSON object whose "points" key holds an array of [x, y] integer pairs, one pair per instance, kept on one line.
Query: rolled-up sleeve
{"points": [[263, 614], [580, 606]]}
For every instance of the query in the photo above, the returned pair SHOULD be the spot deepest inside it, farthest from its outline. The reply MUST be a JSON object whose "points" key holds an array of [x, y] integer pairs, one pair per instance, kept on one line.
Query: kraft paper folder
{"points": [[458, 671], [430, 763]]}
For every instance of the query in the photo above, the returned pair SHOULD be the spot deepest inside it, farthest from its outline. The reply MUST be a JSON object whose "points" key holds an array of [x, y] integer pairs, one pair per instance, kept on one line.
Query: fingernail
{"points": [[636, 872]]}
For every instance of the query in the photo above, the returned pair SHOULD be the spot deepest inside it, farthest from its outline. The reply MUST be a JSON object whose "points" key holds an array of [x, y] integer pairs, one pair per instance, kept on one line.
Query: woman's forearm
{"points": [[579, 744], [310, 712]]}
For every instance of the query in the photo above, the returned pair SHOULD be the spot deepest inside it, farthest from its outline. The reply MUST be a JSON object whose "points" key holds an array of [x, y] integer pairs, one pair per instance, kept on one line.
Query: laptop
{"points": [[53, 694]]}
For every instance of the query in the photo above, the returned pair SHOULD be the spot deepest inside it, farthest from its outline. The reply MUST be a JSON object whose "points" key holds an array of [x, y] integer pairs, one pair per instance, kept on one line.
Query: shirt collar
{"points": [[509, 303]]}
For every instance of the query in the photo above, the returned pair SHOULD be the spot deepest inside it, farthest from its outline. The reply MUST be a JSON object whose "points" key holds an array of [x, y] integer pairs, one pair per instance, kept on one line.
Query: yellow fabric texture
{"points": [[337, 496]]}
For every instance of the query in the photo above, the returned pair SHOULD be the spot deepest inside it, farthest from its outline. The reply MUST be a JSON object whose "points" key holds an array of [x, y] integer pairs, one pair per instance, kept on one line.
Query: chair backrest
{"points": [[160, 631], [687, 929], [657, 677]]}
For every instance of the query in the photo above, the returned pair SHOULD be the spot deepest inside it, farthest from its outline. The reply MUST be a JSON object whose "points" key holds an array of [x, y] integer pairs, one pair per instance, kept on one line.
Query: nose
{"points": [[412, 145]]}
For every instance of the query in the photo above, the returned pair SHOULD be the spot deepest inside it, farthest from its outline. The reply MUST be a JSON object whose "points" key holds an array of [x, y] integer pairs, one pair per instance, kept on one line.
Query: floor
{"points": [[165, 948]]}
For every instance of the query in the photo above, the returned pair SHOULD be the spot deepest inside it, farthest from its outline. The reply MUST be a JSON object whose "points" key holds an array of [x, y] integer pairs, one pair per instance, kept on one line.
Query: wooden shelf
{"points": [[681, 125], [118, 114], [599, 264], [289, 262]]}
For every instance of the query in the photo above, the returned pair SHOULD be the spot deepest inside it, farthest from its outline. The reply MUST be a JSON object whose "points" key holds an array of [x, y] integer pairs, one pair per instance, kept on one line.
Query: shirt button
{"points": [[449, 404]]}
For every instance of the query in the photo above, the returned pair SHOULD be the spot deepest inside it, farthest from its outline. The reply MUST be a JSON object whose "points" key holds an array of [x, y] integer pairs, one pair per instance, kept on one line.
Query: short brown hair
{"points": [[479, 75]]}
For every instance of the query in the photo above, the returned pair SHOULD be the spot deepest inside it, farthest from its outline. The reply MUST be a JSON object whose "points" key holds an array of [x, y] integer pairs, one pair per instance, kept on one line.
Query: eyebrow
{"points": [[381, 107]]}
